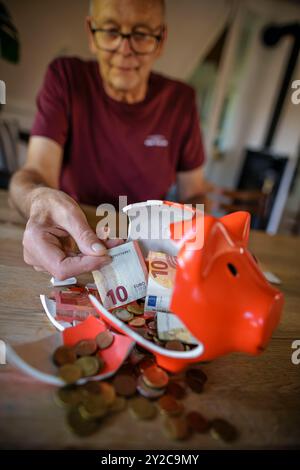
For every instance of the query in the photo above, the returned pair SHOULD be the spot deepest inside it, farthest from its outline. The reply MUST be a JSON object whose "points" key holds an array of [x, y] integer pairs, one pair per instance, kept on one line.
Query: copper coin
{"points": [[176, 427], [148, 392], [136, 356], [221, 429], [137, 322], [176, 390], [155, 377], [125, 385], [170, 406], [195, 385], [70, 373], [104, 339], [86, 347], [197, 374], [142, 408], [175, 345], [195, 379], [197, 422], [64, 355]]}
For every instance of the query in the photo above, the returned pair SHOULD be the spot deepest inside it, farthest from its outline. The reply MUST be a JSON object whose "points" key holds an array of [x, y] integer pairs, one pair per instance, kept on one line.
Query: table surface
{"points": [[259, 395]]}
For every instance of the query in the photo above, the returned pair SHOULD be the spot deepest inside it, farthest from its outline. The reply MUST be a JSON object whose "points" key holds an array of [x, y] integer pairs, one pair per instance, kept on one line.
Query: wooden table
{"points": [[259, 395]]}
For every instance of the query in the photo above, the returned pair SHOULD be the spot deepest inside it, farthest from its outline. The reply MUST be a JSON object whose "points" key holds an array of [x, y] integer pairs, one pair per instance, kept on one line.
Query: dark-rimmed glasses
{"points": [[110, 39]]}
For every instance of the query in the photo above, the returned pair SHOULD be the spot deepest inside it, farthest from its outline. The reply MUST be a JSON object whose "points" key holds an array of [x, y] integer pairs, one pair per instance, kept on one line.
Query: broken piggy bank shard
{"points": [[35, 358], [220, 293], [152, 223], [49, 306]]}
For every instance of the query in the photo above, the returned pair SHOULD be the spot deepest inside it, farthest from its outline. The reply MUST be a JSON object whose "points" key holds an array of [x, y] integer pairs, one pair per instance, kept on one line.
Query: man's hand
{"points": [[55, 225], [192, 186]]}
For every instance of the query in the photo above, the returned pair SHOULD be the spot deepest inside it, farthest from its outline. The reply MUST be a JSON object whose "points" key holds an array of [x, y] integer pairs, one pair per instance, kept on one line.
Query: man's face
{"points": [[124, 70]]}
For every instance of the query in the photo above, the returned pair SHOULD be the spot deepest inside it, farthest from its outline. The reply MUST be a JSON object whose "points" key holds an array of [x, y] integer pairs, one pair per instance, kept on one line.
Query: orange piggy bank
{"points": [[220, 293]]}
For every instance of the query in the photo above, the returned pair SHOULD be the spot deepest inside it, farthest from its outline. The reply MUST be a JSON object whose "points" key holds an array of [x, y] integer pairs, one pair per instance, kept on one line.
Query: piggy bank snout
{"points": [[272, 318], [261, 321]]}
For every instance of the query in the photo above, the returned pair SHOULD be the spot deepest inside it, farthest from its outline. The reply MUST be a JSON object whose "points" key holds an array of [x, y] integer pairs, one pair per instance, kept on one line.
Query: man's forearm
{"points": [[23, 187], [197, 199]]}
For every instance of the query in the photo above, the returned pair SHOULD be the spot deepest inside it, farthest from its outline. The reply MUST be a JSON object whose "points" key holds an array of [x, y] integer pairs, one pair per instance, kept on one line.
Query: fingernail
{"points": [[98, 247]]}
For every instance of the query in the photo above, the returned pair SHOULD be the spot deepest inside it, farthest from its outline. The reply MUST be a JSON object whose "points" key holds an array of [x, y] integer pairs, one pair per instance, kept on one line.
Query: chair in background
{"points": [[10, 137], [222, 201]]}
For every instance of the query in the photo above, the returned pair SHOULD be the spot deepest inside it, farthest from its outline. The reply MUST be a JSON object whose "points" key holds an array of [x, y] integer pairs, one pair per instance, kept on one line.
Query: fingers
{"points": [[75, 223], [103, 234], [49, 248], [73, 266], [46, 247]]}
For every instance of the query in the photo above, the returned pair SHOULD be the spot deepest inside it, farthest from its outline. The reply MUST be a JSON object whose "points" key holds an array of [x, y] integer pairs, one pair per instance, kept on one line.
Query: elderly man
{"points": [[105, 128]]}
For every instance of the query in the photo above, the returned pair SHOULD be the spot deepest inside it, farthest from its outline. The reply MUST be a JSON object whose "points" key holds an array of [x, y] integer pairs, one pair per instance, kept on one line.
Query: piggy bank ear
{"points": [[238, 225], [216, 242]]}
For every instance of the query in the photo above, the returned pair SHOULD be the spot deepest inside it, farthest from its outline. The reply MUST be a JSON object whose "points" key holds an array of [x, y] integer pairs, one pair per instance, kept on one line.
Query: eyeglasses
{"points": [[110, 39]]}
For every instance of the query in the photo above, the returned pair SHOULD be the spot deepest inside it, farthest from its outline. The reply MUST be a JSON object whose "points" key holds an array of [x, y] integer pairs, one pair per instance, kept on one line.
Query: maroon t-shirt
{"points": [[113, 148]]}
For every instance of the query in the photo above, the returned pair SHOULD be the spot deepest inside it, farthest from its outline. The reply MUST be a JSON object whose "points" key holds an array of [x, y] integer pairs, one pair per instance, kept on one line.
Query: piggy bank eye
{"points": [[232, 269]]}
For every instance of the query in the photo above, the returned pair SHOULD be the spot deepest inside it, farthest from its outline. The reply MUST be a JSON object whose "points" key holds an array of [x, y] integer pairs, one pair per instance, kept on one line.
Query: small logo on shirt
{"points": [[156, 141]]}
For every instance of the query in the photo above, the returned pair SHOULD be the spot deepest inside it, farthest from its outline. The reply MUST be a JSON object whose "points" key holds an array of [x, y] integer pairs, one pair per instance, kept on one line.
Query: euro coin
{"points": [[70, 373], [89, 365], [80, 426], [155, 377], [64, 355], [104, 339], [86, 348], [168, 405], [142, 408], [197, 422], [125, 385]]}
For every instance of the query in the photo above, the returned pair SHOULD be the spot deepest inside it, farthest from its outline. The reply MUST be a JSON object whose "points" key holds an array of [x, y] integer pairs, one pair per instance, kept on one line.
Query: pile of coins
{"points": [[140, 385], [144, 388], [145, 324], [83, 359]]}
